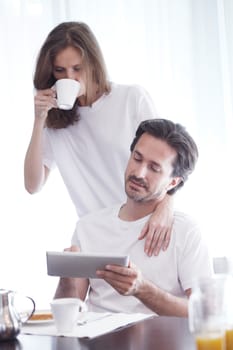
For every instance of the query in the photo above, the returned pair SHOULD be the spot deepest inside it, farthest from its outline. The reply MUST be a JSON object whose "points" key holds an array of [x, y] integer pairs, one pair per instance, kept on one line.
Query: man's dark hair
{"points": [[176, 136]]}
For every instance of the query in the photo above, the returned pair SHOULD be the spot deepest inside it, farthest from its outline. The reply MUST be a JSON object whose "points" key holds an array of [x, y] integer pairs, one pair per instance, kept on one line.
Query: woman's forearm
{"points": [[34, 170]]}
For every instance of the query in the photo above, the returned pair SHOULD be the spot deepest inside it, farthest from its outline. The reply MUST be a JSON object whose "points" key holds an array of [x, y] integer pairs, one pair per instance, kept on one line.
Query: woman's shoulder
{"points": [[128, 88]]}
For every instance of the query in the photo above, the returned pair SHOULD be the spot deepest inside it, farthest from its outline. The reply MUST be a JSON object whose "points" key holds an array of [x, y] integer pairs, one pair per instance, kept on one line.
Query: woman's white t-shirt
{"points": [[92, 154]]}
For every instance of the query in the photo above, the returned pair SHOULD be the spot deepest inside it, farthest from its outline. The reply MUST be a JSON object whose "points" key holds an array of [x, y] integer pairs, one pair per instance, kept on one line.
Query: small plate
{"points": [[40, 317]]}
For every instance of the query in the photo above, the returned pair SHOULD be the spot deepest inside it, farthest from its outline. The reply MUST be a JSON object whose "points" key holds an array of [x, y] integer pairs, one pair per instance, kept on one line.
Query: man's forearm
{"points": [[71, 288], [161, 302]]}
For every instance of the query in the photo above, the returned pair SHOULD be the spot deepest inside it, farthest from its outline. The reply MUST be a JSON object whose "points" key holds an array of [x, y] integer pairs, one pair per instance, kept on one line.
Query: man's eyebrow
{"points": [[137, 152], [156, 164], [151, 161]]}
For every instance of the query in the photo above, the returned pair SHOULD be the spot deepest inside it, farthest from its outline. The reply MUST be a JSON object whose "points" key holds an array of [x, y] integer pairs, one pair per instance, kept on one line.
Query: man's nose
{"points": [[141, 171]]}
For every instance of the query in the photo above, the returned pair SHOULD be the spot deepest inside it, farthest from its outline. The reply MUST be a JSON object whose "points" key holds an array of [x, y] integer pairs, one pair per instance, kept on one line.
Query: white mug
{"points": [[67, 92], [67, 312]]}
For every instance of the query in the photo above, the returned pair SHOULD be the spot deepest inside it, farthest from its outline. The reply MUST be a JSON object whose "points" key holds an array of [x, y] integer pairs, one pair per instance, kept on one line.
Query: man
{"points": [[163, 155]]}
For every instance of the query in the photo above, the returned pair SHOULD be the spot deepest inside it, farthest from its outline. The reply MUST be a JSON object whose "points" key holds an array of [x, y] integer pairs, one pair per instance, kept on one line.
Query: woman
{"points": [[90, 143]]}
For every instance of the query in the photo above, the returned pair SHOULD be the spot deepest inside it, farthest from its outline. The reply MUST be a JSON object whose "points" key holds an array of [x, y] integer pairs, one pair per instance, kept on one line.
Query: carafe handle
{"points": [[24, 306]]}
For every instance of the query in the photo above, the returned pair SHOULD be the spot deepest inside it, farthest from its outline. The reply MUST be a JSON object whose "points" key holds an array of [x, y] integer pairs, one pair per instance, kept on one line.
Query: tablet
{"points": [[77, 264]]}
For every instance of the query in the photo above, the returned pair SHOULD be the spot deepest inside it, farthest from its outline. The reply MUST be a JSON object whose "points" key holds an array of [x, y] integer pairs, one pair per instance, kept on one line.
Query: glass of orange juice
{"points": [[210, 341], [229, 338], [229, 313], [209, 311]]}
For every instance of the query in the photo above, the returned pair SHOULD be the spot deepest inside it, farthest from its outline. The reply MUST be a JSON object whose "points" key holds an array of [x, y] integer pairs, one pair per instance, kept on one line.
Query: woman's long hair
{"points": [[79, 36]]}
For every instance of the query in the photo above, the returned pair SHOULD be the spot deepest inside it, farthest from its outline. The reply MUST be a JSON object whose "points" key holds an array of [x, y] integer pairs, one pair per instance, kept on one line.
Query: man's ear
{"points": [[174, 182]]}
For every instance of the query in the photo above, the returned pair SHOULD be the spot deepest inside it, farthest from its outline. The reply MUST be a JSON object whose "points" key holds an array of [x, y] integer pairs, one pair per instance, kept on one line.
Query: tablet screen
{"points": [[77, 264]]}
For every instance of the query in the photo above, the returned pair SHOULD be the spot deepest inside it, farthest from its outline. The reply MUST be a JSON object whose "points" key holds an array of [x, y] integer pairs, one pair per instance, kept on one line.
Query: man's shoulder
{"points": [[185, 222], [187, 231]]}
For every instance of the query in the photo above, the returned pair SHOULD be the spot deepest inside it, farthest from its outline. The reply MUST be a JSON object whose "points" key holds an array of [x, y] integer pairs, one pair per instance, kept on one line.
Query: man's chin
{"points": [[135, 197]]}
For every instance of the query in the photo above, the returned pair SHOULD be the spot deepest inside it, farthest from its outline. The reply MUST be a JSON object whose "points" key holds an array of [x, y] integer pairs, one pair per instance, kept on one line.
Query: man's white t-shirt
{"points": [[174, 270], [92, 154]]}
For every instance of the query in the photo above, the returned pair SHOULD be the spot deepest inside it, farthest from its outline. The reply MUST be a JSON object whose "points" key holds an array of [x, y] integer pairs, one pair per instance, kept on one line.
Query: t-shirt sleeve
{"points": [[47, 153], [195, 261], [75, 239], [146, 107]]}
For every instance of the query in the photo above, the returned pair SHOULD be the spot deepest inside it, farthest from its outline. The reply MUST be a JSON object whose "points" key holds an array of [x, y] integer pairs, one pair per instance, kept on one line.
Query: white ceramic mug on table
{"points": [[67, 312]]}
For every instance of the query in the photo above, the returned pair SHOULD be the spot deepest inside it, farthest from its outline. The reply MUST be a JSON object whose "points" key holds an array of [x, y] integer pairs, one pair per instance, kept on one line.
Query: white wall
{"points": [[180, 50]]}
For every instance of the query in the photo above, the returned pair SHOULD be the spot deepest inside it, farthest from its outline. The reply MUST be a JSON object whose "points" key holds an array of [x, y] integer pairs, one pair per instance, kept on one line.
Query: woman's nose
{"points": [[70, 74]]}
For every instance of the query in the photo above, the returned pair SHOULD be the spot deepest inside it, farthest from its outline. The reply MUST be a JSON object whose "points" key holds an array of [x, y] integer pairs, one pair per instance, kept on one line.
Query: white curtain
{"points": [[181, 51]]}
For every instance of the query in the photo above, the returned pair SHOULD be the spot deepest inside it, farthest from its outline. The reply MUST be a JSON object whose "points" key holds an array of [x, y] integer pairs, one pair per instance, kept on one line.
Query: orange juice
{"points": [[229, 339], [210, 342]]}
